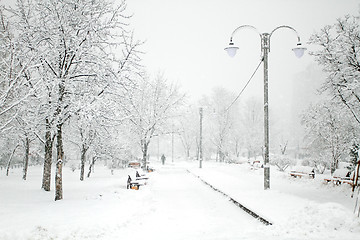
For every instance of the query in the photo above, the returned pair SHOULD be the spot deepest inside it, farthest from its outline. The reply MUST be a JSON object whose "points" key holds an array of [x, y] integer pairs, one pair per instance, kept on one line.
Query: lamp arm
{"points": [[285, 26], [241, 27], [246, 26]]}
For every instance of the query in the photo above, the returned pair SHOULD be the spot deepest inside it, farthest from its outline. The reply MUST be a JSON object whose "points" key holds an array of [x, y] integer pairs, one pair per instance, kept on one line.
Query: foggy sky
{"points": [[185, 39]]}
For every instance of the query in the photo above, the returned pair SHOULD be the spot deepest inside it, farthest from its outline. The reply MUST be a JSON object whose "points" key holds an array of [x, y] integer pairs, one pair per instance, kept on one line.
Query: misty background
{"points": [[185, 40]]}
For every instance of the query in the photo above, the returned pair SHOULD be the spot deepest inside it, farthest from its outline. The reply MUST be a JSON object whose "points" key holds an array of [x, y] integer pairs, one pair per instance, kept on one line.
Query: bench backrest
{"points": [[303, 169], [341, 173]]}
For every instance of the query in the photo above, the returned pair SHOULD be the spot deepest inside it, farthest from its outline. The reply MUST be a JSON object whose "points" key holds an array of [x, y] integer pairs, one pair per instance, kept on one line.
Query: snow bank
{"points": [[299, 208], [175, 205]]}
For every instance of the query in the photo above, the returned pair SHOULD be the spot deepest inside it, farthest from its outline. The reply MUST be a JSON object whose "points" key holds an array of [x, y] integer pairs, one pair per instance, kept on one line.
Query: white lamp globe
{"points": [[231, 49], [299, 50]]}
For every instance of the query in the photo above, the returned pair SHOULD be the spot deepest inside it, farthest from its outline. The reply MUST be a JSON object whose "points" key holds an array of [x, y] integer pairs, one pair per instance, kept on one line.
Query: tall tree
{"points": [[15, 87], [77, 42], [222, 118], [329, 133], [339, 56], [149, 107], [252, 120], [188, 123]]}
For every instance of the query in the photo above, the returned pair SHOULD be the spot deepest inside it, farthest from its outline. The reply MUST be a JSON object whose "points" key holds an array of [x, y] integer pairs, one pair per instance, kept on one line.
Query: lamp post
{"points": [[172, 144], [265, 49], [200, 138]]}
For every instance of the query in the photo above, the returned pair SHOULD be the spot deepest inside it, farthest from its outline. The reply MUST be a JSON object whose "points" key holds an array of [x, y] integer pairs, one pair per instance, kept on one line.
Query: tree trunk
{"points": [[283, 148], [221, 156], [48, 158], [9, 161], [91, 167], [59, 162], [26, 157], [83, 160], [335, 164], [145, 148], [237, 151], [356, 178]]}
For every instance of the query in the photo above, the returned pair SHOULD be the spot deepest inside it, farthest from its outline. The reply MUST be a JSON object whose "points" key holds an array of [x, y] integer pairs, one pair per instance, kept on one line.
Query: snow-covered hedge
{"points": [[282, 162]]}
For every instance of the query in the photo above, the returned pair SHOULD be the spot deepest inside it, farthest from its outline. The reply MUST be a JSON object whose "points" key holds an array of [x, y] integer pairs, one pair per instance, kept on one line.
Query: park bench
{"points": [[303, 171], [141, 177], [134, 165], [149, 169], [256, 164], [132, 184], [140, 180], [341, 176]]}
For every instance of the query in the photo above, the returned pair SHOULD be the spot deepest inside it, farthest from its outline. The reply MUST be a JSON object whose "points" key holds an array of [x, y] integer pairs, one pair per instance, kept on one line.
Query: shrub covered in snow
{"points": [[319, 164], [282, 162]]}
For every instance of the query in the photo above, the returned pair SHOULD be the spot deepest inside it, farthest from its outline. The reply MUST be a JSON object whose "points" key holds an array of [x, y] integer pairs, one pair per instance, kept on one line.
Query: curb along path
{"points": [[244, 208]]}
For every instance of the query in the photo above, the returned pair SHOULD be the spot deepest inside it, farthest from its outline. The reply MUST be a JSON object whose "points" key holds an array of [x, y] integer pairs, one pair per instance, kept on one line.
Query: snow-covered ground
{"points": [[299, 208], [175, 205]]}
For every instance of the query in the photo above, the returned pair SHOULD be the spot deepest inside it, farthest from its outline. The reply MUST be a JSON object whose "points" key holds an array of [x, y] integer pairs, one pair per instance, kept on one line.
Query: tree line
{"points": [[71, 78], [71, 75], [329, 127]]}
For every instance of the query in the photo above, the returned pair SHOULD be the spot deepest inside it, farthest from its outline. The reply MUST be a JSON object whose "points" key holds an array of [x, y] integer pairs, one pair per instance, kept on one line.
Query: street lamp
{"points": [[200, 138], [265, 49]]}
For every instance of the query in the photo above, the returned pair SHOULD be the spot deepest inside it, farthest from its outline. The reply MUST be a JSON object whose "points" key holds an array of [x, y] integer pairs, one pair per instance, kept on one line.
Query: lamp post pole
{"points": [[265, 37], [158, 148], [265, 49], [172, 144], [200, 140]]}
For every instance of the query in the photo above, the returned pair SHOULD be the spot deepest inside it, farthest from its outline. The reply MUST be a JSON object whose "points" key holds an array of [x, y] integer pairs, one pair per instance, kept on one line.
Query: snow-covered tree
{"points": [[8, 81], [82, 132], [354, 154], [15, 84], [339, 56], [222, 120], [17, 89], [188, 125], [329, 133], [83, 49], [149, 107], [252, 122]]}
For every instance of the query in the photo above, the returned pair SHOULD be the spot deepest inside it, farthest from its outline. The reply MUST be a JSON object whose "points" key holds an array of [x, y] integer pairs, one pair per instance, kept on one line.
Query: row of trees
{"points": [[332, 125], [227, 131], [71, 76], [230, 131]]}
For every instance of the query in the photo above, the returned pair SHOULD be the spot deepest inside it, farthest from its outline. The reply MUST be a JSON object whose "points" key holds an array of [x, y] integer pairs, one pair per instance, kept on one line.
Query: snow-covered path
{"points": [[173, 205], [182, 207]]}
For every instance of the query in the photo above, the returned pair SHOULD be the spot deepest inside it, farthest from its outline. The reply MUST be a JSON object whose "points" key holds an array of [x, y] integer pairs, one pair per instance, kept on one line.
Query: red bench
{"points": [[302, 171], [132, 184], [341, 176]]}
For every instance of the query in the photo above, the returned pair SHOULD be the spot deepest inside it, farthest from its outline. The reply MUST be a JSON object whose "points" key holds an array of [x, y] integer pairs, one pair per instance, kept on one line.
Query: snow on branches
{"points": [[339, 56]]}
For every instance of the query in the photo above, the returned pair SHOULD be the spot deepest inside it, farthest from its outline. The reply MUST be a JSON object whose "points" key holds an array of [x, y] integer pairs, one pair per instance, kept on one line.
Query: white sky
{"points": [[185, 39]]}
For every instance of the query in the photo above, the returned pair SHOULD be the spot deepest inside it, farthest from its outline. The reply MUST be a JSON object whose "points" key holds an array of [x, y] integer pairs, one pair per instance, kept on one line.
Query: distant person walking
{"points": [[163, 158]]}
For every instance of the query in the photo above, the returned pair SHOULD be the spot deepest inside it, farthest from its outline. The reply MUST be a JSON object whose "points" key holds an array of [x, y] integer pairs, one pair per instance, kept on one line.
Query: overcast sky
{"points": [[185, 39]]}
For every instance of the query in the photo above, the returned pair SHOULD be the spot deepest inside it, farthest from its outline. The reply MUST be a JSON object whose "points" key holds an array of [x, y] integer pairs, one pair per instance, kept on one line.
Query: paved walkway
{"points": [[182, 207]]}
